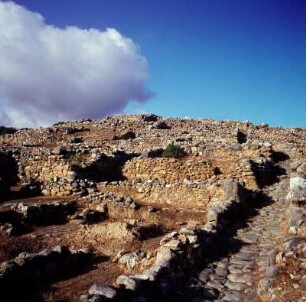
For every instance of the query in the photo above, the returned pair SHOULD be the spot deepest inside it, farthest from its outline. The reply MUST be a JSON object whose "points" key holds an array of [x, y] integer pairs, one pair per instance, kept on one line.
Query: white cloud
{"points": [[49, 74]]}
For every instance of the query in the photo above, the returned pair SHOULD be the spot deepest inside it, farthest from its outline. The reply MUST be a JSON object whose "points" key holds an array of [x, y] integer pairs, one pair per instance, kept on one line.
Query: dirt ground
{"points": [[105, 239]]}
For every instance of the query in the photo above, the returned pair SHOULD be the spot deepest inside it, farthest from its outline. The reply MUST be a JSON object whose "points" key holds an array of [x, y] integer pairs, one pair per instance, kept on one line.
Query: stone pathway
{"points": [[245, 275]]}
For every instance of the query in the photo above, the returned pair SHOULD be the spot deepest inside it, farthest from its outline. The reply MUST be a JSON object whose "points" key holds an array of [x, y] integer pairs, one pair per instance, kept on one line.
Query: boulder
{"points": [[297, 190], [59, 150], [161, 125], [150, 118], [102, 290], [126, 282]]}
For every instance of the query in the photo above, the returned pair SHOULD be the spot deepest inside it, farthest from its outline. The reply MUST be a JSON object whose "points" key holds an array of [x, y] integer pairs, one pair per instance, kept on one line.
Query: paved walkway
{"points": [[245, 275]]}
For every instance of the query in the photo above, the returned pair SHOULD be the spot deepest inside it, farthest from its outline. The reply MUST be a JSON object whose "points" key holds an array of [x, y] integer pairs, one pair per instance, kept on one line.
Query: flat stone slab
{"points": [[222, 263], [215, 284], [245, 256], [235, 286], [243, 263], [266, 245], [240, 278], [221, 271], [232, 296], [263, 263], [265, 252], [235, 269], [219, 278], [249, 238], [249, 249]]}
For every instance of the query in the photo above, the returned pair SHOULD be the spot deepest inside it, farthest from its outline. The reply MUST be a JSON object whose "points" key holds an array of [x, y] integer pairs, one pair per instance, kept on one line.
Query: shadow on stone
{"points": [[37, 287], [266, 172], [278, 156], [106, 168], [8, 173]]}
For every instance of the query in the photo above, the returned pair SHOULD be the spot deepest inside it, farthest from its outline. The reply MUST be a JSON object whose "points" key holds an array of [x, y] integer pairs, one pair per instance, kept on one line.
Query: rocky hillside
{"points": [[145, 208]]}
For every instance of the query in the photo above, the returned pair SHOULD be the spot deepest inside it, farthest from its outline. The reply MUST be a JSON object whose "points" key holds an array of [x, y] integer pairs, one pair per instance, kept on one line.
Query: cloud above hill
{"points": [[49, 73]]}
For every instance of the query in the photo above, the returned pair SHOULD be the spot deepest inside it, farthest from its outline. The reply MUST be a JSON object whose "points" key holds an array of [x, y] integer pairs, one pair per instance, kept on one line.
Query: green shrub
{"points": [[241, 137], [173, 151]]}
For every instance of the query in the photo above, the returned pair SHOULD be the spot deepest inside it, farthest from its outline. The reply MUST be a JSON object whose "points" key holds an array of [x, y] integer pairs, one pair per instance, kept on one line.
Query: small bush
{"points": [[217, 171], [173, 151], [241, 137]]}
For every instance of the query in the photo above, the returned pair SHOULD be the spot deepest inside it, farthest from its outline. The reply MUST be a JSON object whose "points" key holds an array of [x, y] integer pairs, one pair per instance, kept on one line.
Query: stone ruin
{"points": [[226, 221]]}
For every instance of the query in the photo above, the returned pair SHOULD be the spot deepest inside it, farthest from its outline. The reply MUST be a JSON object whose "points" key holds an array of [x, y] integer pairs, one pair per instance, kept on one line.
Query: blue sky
{"points": [[221, 59]]}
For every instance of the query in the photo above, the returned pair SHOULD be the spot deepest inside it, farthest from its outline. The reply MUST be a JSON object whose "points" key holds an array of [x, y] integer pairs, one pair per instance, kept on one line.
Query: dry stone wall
{"points": [[191, 170], [180, 194], [171, 169], [177, 194], [44, 170]]}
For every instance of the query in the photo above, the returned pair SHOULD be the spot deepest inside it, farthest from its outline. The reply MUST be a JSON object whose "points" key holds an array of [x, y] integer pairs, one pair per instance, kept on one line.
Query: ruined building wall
{"points": [[171, 169], [194, 169], [180, 195], [161, 194], [44, 170]]}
